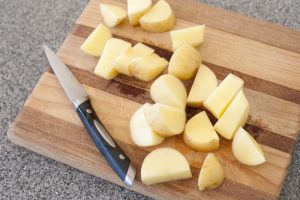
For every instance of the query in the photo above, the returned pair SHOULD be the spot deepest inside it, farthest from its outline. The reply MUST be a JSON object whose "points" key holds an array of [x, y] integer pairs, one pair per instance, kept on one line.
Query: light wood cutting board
{"points": [[266, 56]]}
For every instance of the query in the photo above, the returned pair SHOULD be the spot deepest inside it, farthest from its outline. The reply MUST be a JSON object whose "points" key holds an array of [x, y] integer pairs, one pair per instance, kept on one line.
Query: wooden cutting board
{"points": [[266, 56]]}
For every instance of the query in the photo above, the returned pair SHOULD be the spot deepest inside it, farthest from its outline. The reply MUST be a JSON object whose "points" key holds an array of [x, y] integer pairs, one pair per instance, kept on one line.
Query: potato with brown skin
{"points": [[185, 62], [160, 18], [211, 174], [165, 120]]}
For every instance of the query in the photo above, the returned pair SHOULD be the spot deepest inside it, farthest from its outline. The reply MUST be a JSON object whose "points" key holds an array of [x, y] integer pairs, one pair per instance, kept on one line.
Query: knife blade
{"points": [[113, 154]]}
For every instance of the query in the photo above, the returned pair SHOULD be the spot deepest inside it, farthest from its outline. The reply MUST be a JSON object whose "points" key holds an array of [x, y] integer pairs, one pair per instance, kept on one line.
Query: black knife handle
{"points": [[113, 154]]}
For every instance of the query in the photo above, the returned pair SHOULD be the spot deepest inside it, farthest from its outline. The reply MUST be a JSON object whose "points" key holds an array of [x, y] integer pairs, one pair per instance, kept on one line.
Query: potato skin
{"points": [[185, 62]]}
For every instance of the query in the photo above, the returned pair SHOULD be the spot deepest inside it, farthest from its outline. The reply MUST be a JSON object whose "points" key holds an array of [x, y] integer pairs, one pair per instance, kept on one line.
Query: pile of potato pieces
{"points": [[151, 124]]}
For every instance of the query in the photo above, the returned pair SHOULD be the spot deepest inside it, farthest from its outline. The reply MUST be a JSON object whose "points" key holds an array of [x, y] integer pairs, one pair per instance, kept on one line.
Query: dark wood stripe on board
{"points": [[221, 72], [123, 89], [43, 122]]}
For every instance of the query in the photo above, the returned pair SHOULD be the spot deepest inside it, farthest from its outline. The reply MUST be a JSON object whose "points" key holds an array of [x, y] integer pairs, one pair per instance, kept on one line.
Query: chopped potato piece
{"points": [[234, 117], [211, 174], [113, 48], [148, 67], [246, 150], [160, 18], [112, 15], [219, 100], [185, 62], [199, 133], [123, 62], [163, 165], [192, 35], [169, 90], [95, 43], [204, 84], [165, 120], [136, 9], [140, 132]]}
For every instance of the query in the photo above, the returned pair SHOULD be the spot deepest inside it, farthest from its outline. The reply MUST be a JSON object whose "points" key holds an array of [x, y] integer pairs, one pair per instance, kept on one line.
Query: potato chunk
{"points": [[199, 133], [165, 120], [185, 62], [123, 62], [140, 132], [136, 9], [192, 35], [163, 165], [204, 84], [169, 90], [219, 100], [112, 15], [113, 48], [234, 117], [148, 67], [246, 150], [95, 43], [212, 173], [160, 18]]}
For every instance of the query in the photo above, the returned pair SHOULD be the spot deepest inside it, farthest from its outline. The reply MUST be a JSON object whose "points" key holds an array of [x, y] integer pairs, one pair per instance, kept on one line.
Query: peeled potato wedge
{"points": [[199, 134], [95, 43], [185, 62], [165, 120], [163, 165], [169, 90], [246, 150], [204, 84], [140, 132], [212, 173], [160, 18], [113, 48], [234, 117], [136, 9], [112, 15], [123, 62], [221, 97], [193, 36], [148, 67]]}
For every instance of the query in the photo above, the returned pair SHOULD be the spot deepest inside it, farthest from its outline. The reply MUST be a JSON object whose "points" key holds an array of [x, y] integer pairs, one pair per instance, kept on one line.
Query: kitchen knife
{"points": [[113, 154]]}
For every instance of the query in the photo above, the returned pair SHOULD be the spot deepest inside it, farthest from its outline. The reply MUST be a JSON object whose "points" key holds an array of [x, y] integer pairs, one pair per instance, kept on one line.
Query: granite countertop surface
{"points": [[26, 25]]}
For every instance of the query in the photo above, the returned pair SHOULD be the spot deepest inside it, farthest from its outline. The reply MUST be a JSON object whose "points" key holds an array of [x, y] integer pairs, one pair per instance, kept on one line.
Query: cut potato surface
{"points": [[113, 48], [160, 18], [140, 132], [192, 35], [204, 84], [234, 117], [185, 62], [199, 133], [221, 97], [123, 62], [169, 90], [112, 15], [212, 173], [246, 150], [164, 164], [95, 43], [136, 9], [165, 120], [148, 67]]}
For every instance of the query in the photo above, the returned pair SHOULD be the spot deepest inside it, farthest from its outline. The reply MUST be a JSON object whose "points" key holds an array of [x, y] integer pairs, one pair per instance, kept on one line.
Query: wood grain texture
{"points": [[234, 44]]}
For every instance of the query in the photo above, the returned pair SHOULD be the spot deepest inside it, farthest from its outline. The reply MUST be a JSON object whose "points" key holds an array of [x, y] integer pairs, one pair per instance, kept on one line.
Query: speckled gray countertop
{"points": [[24, 26]]}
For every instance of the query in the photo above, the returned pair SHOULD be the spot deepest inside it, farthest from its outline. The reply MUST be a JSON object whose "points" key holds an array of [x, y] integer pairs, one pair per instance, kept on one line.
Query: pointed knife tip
{"points": [[45, 47]]}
